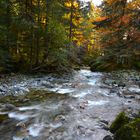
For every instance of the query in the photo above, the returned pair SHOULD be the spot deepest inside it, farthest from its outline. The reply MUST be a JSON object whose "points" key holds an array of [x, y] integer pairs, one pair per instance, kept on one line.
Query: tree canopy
{"points": [[47, 35]]}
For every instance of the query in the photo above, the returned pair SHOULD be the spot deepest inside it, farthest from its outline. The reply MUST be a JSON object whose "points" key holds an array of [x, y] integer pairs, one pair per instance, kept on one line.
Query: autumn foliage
{"points": [[119, 28]]}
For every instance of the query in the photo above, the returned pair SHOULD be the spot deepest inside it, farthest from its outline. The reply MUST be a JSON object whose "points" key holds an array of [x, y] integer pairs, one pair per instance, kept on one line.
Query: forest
{"points": [[41, 35], [69, 70]]}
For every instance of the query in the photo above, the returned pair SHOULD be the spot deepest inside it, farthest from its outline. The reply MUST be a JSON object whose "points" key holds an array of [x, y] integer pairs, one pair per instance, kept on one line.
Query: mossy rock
{"points": [[104, 66], [120, 121], [33, 97], [137, 65], [94, 66], [130, 131], [3, 117]]}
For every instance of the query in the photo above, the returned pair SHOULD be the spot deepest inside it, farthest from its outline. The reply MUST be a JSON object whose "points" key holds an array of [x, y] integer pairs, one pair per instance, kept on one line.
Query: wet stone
{"points": [[129, 101], [134, 89], [3, 117], [121, 85], [45, 83], [2, 89], [103, 126], [104, 121], [60, 118], [9, 107], [129, 96], [113, 90], [108, 137], [25, 138]]}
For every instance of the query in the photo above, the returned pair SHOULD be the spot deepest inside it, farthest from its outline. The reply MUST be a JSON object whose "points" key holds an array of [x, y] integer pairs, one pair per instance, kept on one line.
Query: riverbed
{"points": [[79, 106]]}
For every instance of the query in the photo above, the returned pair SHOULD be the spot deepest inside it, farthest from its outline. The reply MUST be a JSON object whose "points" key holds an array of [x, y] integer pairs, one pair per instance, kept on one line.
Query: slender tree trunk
{"points": [[26, 7], [71, 20], [120, 29], [8, 20], [45, 55], [32, 38], [37, 35]]}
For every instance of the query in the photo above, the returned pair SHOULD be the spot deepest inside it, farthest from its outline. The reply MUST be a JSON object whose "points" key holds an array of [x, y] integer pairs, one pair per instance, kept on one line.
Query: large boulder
{"points": [[125, 128], [130, 131], [108, 137], [120, 121]]}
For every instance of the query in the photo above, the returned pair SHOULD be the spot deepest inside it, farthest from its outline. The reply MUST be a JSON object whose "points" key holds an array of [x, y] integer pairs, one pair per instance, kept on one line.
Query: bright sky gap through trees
{"points": [[96, 2]]}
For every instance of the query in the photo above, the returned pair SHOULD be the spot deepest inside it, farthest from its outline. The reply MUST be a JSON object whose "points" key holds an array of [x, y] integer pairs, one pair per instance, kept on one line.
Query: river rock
{"points": [[25, 138], [109, 82], [135, 114], [2, 89], [108, 137], [60, 118], [129, 96], [18, 89], [121, 85], [84, 130], [5, 86], [138, 83], [103, 126], [9, 107], [45, 83], [134, 89], [113, 90], [104, 121], [119, 93]]}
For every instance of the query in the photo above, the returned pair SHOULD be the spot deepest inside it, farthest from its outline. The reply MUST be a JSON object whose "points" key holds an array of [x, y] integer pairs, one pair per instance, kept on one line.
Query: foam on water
{"points": [[57, 125], [62, 90], [82, 94], [65, 90], [29, 108], [35, 129], [89, 73], [18, 138], [96, 103], [134, 89], [53, 89], [92, 82], [18, 116], [103, 91]]}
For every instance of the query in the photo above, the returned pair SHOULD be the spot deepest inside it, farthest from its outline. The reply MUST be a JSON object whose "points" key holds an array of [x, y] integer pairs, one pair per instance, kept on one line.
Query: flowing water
{"points": [[75, 108]]}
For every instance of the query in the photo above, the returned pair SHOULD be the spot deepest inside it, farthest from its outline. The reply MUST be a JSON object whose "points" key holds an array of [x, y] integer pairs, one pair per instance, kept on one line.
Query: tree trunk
{"points": [[71, 20], [8, 20], [37, 34]]}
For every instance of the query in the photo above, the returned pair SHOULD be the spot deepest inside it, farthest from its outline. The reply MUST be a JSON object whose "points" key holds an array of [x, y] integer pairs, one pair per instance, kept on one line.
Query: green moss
{"points": [[3, 117], [124, 129], [104, 66], [137, 64], [130, 131], [120, 121], [33, 97]]}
